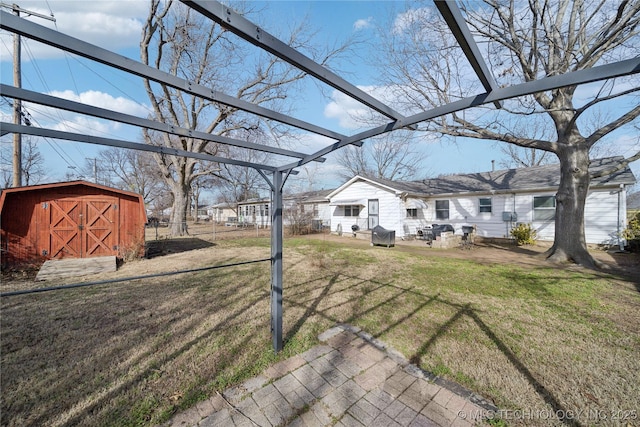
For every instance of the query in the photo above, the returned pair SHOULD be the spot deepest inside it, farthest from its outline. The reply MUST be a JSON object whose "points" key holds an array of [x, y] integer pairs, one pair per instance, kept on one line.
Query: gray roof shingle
{"points": [[532, 178]]}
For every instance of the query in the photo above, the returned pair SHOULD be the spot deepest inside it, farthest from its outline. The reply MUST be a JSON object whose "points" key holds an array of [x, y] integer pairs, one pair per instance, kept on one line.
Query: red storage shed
{"points": [[76, 219]]}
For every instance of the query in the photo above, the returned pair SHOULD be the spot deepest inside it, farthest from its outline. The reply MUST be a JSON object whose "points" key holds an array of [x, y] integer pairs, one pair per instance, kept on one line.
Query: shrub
{"points": [[524, 234], [632, 233]]}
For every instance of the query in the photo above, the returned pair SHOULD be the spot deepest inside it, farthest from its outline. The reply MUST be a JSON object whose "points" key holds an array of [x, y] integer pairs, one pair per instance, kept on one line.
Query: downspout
{"points": [[620, 240]]}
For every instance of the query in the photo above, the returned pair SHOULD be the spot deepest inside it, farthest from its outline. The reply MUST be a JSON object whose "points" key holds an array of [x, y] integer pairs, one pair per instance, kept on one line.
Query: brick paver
{"points": [[352, 379]]}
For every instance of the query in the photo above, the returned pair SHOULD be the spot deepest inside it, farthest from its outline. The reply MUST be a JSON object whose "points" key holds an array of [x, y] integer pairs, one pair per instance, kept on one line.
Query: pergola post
{"points": [[276, 260]]}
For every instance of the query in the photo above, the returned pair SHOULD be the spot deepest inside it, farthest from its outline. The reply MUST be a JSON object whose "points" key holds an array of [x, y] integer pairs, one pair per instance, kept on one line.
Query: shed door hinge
{"points": [[45, 205], [115, 206]]}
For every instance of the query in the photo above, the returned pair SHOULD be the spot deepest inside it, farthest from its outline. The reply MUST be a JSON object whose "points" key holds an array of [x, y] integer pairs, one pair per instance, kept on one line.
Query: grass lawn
{"points": [[536, 339]]}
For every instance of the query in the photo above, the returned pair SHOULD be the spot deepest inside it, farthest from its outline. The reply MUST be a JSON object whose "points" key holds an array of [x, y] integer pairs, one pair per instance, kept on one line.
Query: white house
{"points": [[313, 203], [493, 202], [222, 212]]}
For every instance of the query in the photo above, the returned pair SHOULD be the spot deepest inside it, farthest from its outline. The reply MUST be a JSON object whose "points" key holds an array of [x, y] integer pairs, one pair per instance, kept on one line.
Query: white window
{"points": [[442, 209], [544, 208], [352, 210], [485, 205], [412, 213]]}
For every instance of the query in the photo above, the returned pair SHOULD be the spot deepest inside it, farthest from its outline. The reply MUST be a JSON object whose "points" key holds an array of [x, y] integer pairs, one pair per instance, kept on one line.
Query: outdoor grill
{"points": [[382, 236], [438, 229]]}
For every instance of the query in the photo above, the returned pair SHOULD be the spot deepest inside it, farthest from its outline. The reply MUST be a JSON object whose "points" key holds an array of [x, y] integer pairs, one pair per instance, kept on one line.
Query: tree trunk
{"points": [[179, 212], [569, 243]]}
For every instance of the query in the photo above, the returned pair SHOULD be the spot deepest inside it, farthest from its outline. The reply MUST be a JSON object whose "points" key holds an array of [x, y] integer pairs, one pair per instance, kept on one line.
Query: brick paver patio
{"points": [[351, 379]]}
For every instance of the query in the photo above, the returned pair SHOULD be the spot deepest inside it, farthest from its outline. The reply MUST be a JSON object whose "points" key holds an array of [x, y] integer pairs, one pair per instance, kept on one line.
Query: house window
{"points": [[352, 210], [442, 209], [412, 213], [485, 205], [316, 212], [544, 208]]}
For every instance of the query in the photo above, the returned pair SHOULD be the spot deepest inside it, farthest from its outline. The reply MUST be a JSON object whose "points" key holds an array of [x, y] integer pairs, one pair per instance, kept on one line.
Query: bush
{"points": [[632, 233], [524, 234]]}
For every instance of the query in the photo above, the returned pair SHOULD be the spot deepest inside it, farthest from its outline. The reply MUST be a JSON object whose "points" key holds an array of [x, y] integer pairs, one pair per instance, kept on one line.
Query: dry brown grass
{"points": [[529, 338]]}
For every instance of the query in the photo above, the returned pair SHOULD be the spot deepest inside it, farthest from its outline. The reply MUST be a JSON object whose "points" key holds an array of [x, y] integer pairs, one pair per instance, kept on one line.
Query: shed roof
{"points": [[521, 179], [68, 184]]}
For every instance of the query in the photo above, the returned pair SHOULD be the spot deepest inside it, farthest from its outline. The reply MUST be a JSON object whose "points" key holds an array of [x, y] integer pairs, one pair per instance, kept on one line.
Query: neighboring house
{"points": [[314, 203], [76, 219], [633, 201], [255, 212], [222, 212], [494, 202]]}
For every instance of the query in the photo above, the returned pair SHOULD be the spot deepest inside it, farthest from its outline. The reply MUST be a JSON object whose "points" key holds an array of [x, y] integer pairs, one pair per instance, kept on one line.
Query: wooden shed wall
{"points": [[25, 221]]}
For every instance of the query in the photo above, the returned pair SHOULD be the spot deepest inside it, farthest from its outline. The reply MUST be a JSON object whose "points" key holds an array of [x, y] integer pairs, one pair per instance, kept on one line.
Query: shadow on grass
{"points": [[393, 299], [156, 248], [99, 355]]}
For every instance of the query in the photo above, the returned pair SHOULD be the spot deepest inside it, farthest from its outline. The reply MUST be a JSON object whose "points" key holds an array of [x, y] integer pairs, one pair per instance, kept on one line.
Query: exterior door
{"points": [[373, 213], [81, 228]]}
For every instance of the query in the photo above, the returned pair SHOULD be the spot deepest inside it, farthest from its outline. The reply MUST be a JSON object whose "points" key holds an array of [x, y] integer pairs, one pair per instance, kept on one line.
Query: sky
{"points": [[116, 25]]}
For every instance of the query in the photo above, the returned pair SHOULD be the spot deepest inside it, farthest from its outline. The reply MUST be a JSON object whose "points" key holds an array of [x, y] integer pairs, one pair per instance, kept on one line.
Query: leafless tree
{"points": [[390, 156], [237, 183], [525, 41], [180, 41], [32, 163], [128, 170]]}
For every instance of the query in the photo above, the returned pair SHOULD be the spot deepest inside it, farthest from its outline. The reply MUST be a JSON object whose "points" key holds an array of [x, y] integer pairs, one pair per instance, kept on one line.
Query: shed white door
{"points": [[374, 213]]}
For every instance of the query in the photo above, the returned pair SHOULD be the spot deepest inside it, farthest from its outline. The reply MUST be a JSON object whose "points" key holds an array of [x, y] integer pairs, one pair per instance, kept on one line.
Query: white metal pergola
{"points": [[274, 174]]}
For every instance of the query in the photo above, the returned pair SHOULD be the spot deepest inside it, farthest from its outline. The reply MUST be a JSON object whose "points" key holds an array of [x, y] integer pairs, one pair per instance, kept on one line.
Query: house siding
{"points": [[605, 207], [602, 221], [389, 205]]}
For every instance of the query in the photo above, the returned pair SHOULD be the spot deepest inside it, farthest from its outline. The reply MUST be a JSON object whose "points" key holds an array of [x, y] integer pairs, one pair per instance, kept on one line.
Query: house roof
{"points": [[522, 179], [316, 196]]}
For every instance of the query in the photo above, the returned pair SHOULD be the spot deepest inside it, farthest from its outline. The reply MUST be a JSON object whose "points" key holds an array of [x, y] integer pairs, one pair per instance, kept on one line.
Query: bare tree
{"points": [[180, 41], [128, 170], [32, 164], [237, 183], [525, 41], [390, 156]]}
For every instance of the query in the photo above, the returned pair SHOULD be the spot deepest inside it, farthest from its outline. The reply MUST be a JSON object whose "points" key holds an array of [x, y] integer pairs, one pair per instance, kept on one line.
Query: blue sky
{"points": [[116, 25]]}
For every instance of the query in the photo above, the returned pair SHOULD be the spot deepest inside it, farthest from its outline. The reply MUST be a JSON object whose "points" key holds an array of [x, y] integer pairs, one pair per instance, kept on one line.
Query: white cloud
{"points": [[105, 100], [407, 19], [112, 25], [346, 110], [362, 24], [77, 123], [353, 115], [84, 125]]}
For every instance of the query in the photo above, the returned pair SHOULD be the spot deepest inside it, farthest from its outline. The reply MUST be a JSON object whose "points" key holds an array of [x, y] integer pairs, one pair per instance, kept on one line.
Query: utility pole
{"points": [[95, 168], [17, 82]]}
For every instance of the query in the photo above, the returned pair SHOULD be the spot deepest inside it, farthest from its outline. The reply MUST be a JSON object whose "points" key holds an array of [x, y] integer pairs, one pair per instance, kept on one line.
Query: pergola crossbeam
{"points": [[77, 107], [70, 44], [110, 142], [455, 21], [250, 32], [602, 72]]}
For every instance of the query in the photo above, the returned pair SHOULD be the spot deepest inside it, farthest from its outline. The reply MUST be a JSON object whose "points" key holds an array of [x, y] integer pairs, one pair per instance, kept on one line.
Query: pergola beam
{"points": [[67, 43], [603, 72], [77, 107], [255, 35], [97, 140], [455, 21]]}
